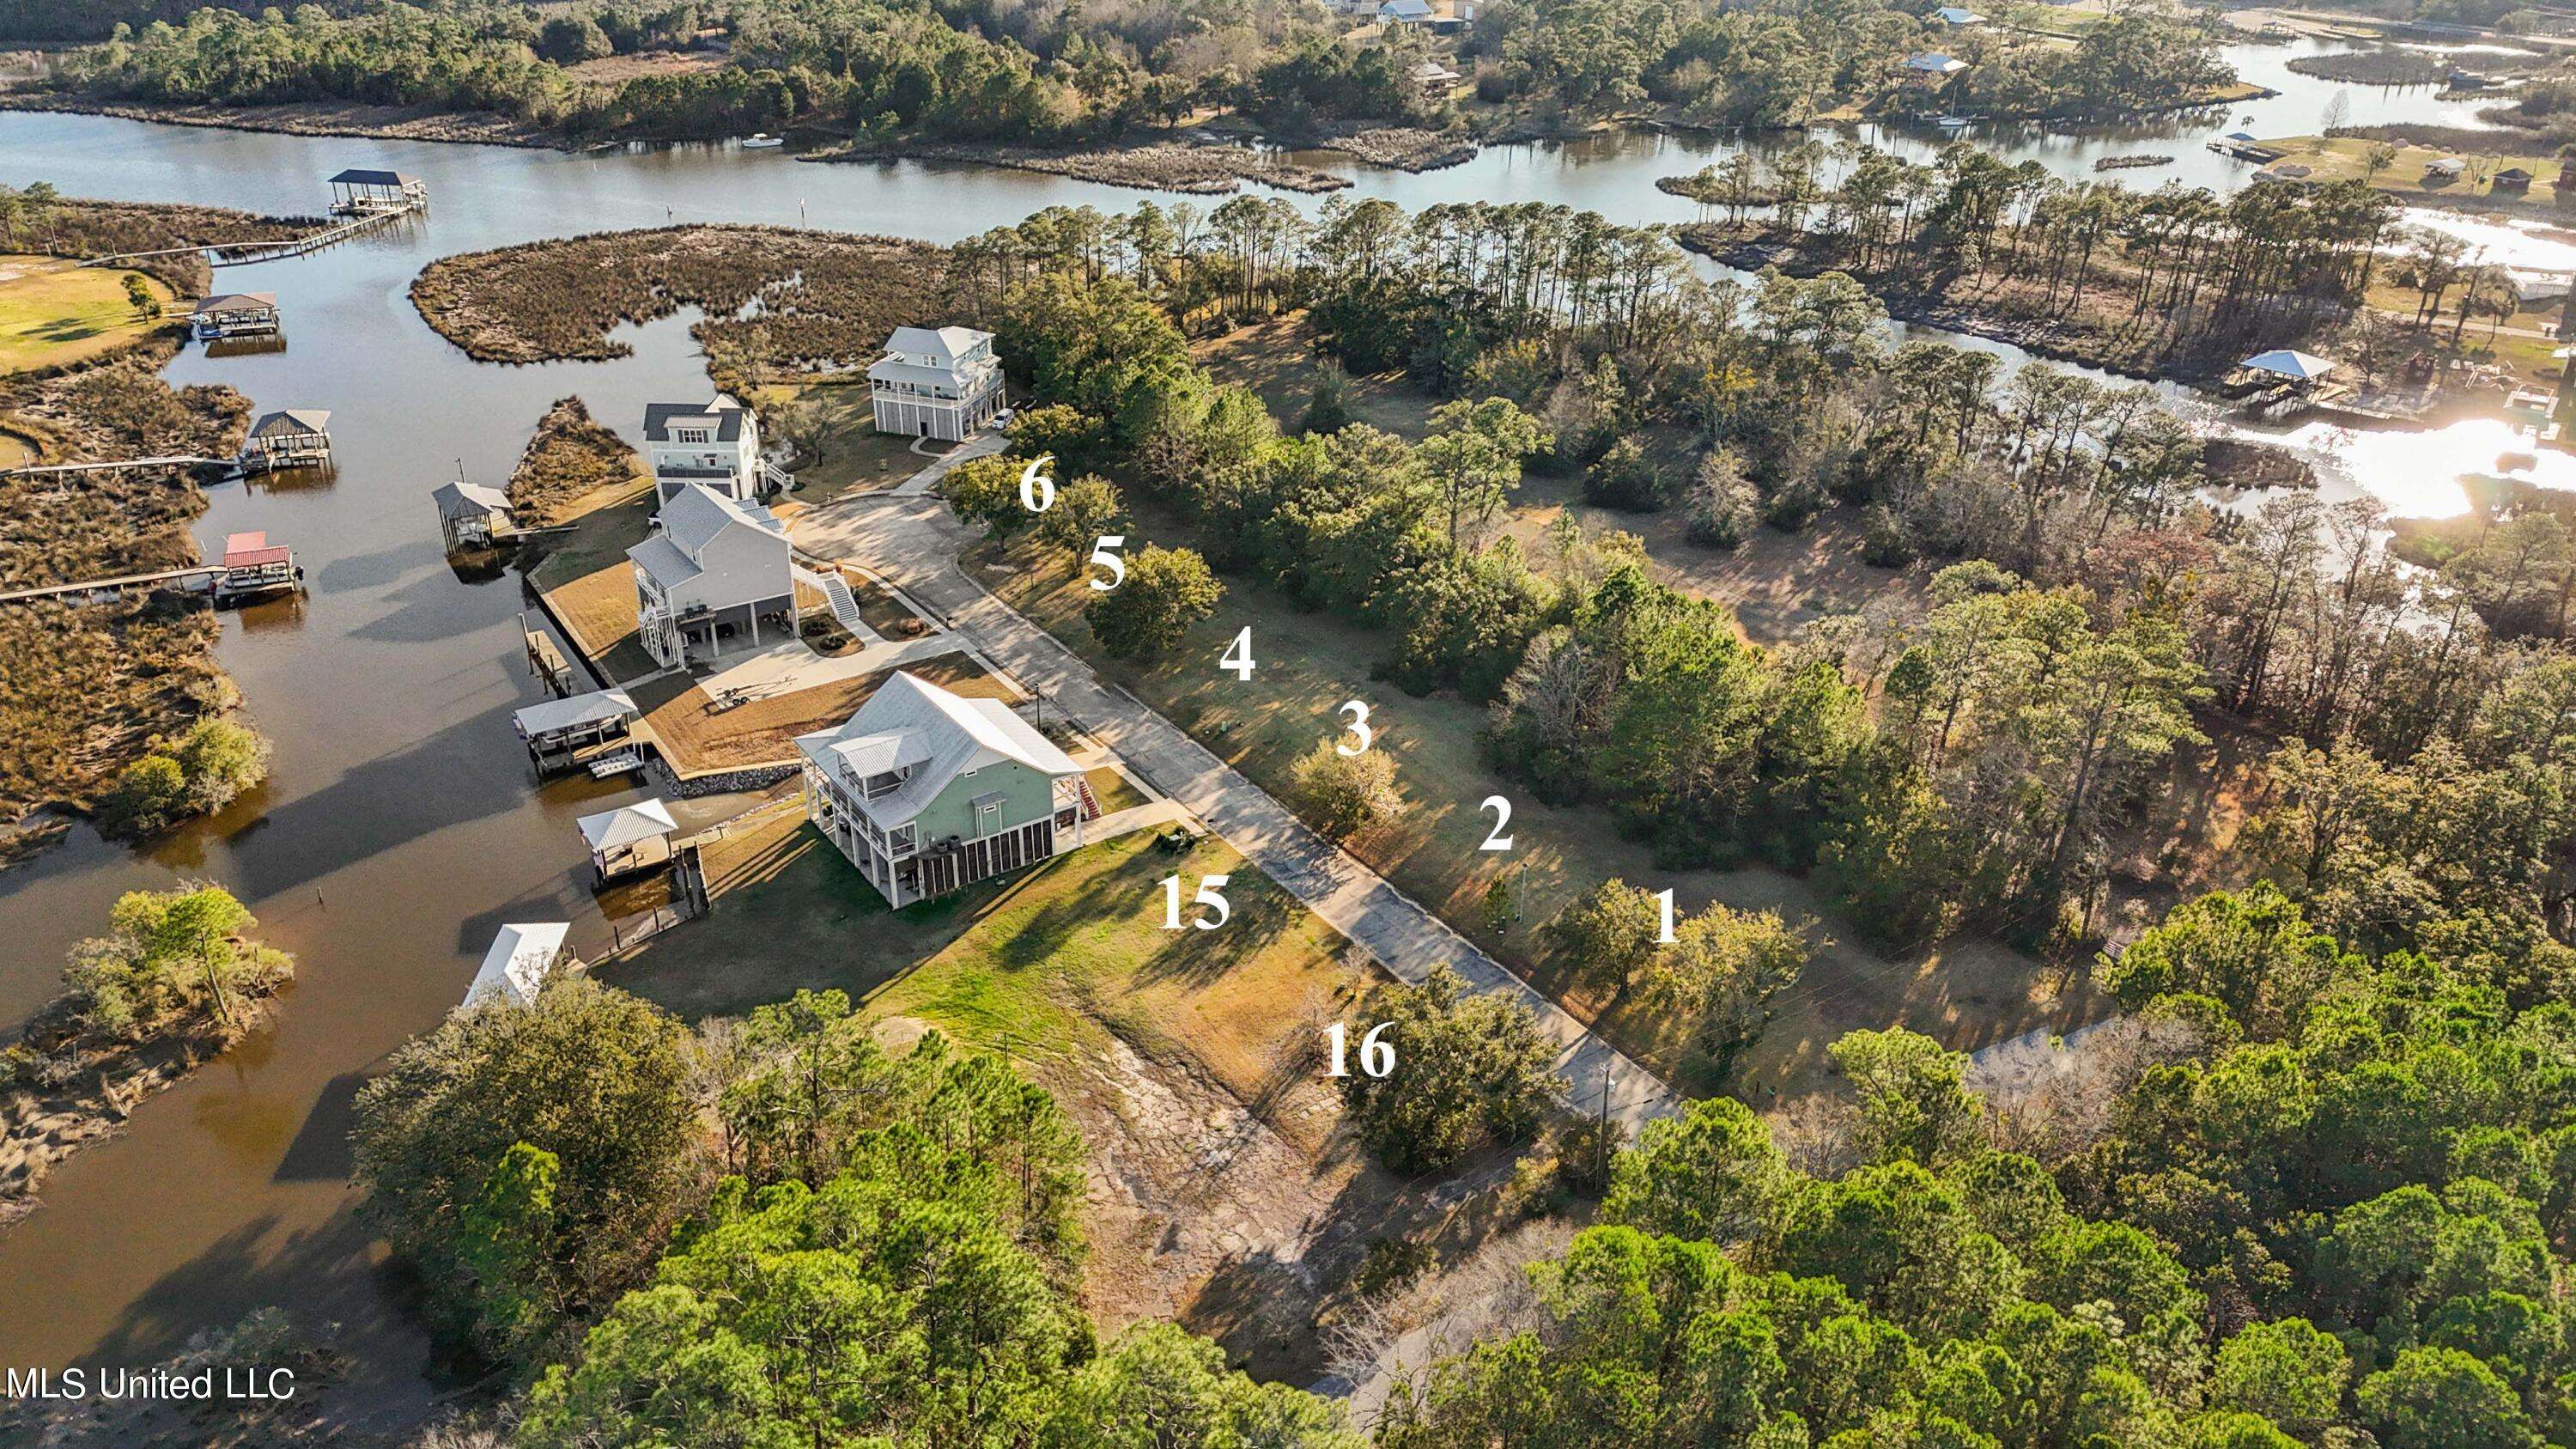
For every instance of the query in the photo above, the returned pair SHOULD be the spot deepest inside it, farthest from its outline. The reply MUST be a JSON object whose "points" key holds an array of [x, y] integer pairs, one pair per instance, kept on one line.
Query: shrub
{"points": [[1166, 591], [1624, 478], [1328, 407], [1345, 794], [203, 772], [1468, 1070], [1722, 505]]}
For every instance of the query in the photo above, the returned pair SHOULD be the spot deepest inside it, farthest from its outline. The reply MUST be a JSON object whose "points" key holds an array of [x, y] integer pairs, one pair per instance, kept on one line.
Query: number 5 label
{"points": [[1105, 553]]}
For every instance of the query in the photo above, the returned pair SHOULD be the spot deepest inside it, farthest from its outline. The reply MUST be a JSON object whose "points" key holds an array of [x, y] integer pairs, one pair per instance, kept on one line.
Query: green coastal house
{"points": [[926, 791]]}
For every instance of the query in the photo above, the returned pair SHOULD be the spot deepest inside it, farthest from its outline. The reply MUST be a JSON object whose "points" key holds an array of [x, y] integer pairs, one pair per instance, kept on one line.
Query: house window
{"points": [[901, 839], [694, 435]]}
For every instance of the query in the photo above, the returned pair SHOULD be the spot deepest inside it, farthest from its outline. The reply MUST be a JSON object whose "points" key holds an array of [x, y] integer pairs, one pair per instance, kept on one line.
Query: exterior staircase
{"points": [[836, 592], [1090, 802]]}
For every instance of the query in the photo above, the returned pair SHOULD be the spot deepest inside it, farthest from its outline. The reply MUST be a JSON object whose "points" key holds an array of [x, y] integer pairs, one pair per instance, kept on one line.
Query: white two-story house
{"points": [[714, 444], [926, 791], [716, 572], [940, 382]]}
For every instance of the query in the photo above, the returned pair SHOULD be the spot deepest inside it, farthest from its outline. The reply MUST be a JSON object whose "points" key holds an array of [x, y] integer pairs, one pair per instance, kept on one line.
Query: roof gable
{"points": [[696, 514], [912, 721]]}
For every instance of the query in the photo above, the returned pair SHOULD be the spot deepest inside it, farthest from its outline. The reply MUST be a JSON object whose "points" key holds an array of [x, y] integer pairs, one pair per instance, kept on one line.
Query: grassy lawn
{"points": [[1277, 359], [839, 449], [52, 313], [696, 737], [1966, 993], [1112, 790], [2344, 158], [1048, 963]]}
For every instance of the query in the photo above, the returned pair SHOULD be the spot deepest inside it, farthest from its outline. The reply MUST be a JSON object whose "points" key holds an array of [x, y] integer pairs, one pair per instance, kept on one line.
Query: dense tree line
{"points": [[2328, 1197], [2138, 278], [879, 68], [769, 1231], [1780, 64]]}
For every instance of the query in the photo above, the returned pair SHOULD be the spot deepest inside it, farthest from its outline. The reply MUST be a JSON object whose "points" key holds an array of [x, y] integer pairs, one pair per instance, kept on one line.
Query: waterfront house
{"points": [[926, 791], [1955, 16], [936, 382], [714, 568], [629, 838], [714, 444], [234, 314], [287, 438], [516, 967], [472, 515], [1436, 80], [253, 565], [1933, 65], [1399, 13]]}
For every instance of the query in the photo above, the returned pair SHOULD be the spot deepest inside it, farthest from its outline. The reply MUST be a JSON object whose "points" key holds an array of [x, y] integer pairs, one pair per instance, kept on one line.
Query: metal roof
{"points": [[954, 735], [516, 967], [627, 824], [238, 302], [598, 707], [250, 550], [468, 500], [2289, 362], [723, 419], [371, 176], [291, 420]]}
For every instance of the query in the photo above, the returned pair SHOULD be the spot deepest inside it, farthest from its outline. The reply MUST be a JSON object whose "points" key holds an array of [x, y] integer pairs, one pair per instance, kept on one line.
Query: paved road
{"points": [[913, 541]]}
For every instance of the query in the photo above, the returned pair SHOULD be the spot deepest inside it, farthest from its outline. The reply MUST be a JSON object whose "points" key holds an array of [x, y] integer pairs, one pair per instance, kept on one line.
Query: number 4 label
{"points": [[1239, 657]]}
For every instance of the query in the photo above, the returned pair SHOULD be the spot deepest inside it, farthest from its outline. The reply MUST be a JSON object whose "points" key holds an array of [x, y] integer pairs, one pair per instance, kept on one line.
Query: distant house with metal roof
{"points": [[1405, 12], [1954, 15], [1934, 63], [234, 314], [715, 567], [926, 791], [287, 438], [714, 443], [515, 969], [936, 382]]}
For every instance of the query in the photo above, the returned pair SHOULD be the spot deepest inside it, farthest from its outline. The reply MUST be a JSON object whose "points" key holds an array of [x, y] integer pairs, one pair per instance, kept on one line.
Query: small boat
{"points": [[1952, 123], [761, 141]]}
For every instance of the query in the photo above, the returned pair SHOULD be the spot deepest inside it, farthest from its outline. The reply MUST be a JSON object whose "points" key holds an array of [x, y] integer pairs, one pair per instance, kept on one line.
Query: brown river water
{"points": [[401, 827]]}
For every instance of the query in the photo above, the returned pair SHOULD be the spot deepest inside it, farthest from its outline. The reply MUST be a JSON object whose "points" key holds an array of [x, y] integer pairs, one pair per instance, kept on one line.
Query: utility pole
{"points": [[1601, 1131]]}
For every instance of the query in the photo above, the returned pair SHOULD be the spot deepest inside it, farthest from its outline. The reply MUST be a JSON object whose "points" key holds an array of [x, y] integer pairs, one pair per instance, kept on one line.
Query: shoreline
{"points": [[1194, 169], [307, 118], [94, 1105], [2037, 338]]}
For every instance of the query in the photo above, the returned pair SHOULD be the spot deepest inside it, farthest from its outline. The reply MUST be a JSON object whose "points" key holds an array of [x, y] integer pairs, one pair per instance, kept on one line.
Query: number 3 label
{"points": [[1363, 736]]}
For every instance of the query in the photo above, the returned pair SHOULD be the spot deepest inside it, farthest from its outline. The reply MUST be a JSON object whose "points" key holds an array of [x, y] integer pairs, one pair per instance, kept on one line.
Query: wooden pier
{"points": [[545, 661], [116, 587]]}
